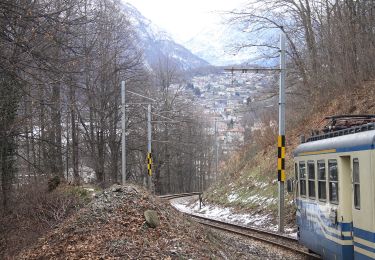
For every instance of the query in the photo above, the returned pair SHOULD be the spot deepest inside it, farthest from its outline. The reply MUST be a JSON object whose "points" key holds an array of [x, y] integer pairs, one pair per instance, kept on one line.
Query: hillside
{"points": [[113, 226], [157, 45], [249, 181], [221, 46]]}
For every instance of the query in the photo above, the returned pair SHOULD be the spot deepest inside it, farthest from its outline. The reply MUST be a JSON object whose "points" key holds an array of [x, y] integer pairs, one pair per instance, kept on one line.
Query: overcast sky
{"points": [[184, 18]]}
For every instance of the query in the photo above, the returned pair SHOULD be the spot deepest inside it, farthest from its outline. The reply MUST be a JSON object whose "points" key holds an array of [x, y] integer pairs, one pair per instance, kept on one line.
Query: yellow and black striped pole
{"points": [[281, 139], [281, 158], [149, 164], [149, 156]]}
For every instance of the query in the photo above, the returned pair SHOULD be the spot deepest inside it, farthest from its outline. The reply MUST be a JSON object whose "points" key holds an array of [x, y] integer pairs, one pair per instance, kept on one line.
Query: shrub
{"points": [[37, 208]]}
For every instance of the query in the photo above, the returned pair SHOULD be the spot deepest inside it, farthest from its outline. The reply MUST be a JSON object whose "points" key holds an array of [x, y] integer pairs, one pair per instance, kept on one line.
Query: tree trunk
{"points": [[9, 101], [74, 134], [57, 160]]}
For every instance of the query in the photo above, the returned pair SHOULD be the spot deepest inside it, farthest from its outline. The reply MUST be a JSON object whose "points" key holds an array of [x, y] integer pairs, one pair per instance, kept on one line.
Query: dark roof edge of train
{"points": [[345, 131], [360, 137]]}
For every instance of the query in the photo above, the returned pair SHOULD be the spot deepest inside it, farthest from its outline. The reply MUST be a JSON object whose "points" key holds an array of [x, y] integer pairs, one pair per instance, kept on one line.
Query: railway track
{"points": [[275, 239], [262, 235]]}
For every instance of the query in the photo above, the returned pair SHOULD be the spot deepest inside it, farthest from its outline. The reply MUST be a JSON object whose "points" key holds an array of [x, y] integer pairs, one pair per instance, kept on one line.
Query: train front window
{"points": [[322, 190], [302, 179], [333, 182], [311, 175], [357, 194]]}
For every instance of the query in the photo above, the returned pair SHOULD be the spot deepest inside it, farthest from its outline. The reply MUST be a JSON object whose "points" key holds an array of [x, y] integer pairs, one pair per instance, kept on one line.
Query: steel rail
{"points": [[253, 229], [290, 245], [244, 230]]}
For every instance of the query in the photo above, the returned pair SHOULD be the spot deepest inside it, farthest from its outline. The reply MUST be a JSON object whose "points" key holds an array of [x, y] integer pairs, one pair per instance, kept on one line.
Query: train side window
{"points": [[302, 179], [356, 184], [311, 176], [322, 188], [296, 171], [333, 182]]}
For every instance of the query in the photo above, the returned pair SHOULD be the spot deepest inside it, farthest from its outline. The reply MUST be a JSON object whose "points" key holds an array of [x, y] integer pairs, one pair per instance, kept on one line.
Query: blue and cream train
{"points": [[335, 175]]}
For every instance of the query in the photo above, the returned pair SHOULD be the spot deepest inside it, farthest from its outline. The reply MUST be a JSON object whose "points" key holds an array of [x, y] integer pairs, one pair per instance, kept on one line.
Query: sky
{"points": [[184, 19]]}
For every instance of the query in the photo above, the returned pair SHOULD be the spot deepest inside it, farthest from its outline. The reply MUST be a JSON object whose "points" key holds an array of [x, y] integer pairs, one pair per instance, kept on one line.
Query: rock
{"points": [[116, 188], [152, 218]]}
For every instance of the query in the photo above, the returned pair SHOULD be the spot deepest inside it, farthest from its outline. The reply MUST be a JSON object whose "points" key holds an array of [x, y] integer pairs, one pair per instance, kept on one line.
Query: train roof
{"points": [[341, 143]]}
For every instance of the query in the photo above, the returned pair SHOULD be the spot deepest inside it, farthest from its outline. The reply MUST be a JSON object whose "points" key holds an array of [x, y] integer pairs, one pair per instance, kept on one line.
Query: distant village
{"points": [[223, 97]]}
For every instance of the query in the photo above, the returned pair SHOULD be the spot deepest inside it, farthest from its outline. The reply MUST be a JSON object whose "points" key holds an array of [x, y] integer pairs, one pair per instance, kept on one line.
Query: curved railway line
{"points": [[262, 235], [272, 238]]}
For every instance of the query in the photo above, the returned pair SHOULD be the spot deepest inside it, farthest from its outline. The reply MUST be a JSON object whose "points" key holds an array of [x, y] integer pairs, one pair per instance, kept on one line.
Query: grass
{"points": [[253, 187]]}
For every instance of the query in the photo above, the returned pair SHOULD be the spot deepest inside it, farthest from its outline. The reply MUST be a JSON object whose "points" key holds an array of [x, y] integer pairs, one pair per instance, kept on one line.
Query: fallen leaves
{"points": [[113, 226]]}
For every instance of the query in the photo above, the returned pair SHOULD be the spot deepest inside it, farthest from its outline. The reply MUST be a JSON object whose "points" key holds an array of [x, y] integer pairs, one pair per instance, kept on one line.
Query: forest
{"points": [[62, 63]]}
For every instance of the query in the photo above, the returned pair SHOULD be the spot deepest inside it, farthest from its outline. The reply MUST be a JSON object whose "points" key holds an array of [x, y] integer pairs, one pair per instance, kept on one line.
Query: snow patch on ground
{"points": [[261, 185], [261, 200], [227, 214], [232, 197], [220, 213]]}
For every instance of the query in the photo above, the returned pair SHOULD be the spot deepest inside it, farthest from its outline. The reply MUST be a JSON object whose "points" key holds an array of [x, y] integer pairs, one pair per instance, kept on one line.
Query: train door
{"points": [[345, 212], [355, 195], [363, 206], [345, 181]]}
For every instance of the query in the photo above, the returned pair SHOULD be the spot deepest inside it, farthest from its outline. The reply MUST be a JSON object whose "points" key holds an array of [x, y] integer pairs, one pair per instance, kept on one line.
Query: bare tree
{"points": [[330, 42]]}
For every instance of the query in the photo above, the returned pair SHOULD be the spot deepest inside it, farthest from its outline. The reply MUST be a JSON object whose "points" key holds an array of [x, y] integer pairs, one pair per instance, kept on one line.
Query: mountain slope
{"points": [[249, 177], [157, 44], [219, 46]]}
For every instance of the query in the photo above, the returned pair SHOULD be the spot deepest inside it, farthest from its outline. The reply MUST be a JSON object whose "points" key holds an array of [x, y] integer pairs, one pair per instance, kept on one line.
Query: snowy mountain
{"points": [[157, 44], [217, 45]]}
